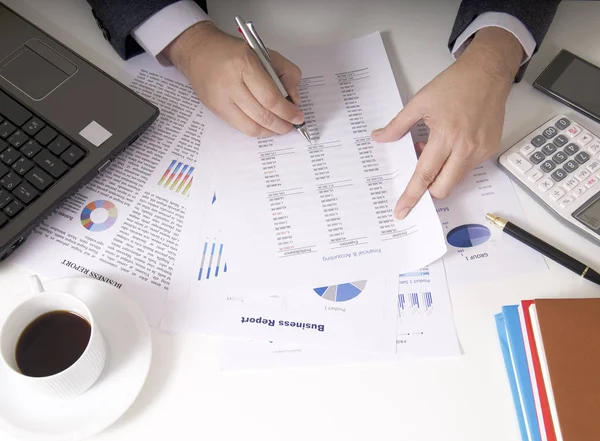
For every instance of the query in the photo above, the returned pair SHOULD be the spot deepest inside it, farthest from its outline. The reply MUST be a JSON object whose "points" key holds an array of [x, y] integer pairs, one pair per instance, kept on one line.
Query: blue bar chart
{"points": [[212, 264]]}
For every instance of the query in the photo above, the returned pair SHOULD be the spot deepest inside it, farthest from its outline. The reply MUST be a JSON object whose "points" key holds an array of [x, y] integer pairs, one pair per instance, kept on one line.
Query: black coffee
{"points": [[51, 343]]}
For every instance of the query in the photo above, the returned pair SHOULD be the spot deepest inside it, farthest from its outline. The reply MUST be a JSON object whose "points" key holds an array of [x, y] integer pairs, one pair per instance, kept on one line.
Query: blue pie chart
{"points": [[468, 236], [342, 292]]}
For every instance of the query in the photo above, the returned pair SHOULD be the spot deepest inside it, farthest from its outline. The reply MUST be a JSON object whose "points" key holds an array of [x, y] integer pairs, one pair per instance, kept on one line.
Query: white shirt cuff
{"points": [[158, 31], [498, 19]]}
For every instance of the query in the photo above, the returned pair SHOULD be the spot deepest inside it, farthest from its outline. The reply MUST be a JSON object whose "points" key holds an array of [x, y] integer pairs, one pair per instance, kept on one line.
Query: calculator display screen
{"points": [[591, 215], [579, 83]]}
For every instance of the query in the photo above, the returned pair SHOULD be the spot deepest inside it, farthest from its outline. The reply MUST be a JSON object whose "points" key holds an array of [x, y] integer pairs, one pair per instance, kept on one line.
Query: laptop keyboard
{"points": [[33, 156]]}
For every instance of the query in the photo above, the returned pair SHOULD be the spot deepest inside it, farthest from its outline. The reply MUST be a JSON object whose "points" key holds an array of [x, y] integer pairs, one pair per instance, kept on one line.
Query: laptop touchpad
{"points": [[36, 69]]}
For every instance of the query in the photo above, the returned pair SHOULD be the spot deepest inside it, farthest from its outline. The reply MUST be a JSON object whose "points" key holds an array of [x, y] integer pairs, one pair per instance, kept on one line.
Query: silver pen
{"points": [[261, 51]]}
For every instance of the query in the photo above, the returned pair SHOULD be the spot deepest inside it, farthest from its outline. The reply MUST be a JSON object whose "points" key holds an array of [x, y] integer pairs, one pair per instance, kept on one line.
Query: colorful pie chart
{"points": [[88, 212]]}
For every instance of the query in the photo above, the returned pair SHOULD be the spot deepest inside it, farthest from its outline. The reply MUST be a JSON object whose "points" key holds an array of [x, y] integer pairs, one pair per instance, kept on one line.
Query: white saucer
{"points": [[127, 334]]}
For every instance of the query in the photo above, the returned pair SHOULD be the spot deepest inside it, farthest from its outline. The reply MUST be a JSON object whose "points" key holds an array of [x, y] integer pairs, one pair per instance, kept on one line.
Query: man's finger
{"points": [[235, 117], [452, 172], [430, 163], [263, 88], [289, 74], [248, 103], [400, 125]]}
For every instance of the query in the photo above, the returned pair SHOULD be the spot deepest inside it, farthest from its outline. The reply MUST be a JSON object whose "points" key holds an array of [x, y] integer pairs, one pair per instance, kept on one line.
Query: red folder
{"points": [[547, 425]]}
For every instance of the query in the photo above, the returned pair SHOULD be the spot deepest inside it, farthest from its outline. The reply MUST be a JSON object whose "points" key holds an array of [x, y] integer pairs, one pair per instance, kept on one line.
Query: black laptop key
{"points": [[72, 155], [26, 193], [3, 219], [12, 110], [59, 145], [18, 138], [10, 155], [31, 148], [45, 136], [13, 208], [40, 179], [22, 166], [10, 180], [33, 126], [1, 119], [3, 169], [6, 129], [50, 163], [3, 145], [5, 198]]}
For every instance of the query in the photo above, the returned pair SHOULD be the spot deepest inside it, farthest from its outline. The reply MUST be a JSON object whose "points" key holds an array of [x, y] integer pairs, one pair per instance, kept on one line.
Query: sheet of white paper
{"points": [[125, 226], [476, 248], [292, 209], [425, 328]]}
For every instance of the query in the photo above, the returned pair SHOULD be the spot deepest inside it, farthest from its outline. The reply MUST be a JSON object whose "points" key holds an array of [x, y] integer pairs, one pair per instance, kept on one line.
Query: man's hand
{"points": [[464, 109], [229, 79]]}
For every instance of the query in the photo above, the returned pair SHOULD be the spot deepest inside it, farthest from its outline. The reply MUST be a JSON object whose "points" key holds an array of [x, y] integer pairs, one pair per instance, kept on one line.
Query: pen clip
{"points": [[254, 33]]}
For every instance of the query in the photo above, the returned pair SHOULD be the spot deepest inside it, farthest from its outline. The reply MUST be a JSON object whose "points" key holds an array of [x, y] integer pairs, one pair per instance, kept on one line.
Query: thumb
{"points": [[400, 125], [289, 74]]}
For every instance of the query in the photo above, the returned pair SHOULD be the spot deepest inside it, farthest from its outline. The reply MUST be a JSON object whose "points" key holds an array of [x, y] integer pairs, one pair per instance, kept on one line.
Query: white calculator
{"points": [[559, 162]]}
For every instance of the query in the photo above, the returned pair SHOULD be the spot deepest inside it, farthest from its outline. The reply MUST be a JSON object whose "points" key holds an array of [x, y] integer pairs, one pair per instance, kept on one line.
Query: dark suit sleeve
{"points": [[536, 15], [116, 20]]}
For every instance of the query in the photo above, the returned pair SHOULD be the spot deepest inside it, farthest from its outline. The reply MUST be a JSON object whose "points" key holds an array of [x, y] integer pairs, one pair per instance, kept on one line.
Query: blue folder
{"points": [[501, 328], [515, 359]]}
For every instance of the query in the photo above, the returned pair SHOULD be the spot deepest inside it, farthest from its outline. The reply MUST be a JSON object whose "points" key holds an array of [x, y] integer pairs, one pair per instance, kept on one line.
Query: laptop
{"points": [[62, 120]]}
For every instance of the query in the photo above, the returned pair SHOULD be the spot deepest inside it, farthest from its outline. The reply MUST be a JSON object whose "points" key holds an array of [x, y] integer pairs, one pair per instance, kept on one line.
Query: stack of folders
{"points": [[551, 350]]}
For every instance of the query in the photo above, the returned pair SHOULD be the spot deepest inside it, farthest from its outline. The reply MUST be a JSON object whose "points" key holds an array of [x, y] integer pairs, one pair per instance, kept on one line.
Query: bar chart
{"points": [[178, 177], [212, 264]]}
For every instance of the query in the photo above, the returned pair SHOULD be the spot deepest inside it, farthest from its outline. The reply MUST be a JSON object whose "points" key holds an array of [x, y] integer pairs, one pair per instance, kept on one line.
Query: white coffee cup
{"points": [[77, 378]]}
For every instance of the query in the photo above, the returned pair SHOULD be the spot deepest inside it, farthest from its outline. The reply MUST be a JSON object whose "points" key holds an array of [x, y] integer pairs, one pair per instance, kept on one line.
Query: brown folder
{"points": [[570, 330]]}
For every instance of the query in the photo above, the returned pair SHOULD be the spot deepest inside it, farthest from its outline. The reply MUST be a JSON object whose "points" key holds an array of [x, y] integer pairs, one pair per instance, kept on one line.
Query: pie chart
{"points": [[343, 292], [469, 235]]}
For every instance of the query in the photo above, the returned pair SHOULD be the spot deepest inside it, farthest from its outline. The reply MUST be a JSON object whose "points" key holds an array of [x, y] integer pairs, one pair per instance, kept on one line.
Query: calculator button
{"points": [[584, 139], [582, 157], [570, 183], [548, 166], [562, 124], [559, 174], [591, 182], [545, 184], [537, 157], [571, 149], [519, 162], [582, 174], [594, 147], [538, 141], [548, 149], [573, 131], [527, 149], [534, 175], [560, 157], [570, 166], [560, 140], [593, 166], [579, 191], [565, 201], [556, 194], [550, 132]]}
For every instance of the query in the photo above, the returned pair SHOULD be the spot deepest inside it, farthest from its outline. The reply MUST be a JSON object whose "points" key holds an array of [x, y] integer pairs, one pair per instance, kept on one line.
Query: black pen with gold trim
{"points": [[546, 249]]}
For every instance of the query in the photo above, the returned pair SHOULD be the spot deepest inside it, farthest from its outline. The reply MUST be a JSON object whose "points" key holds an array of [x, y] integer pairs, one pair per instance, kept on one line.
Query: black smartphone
{"points": [[572, 81]]}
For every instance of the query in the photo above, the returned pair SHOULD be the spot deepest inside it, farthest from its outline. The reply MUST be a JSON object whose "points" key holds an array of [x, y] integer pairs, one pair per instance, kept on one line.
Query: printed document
{"points": [[424, 328], [292, 209]]}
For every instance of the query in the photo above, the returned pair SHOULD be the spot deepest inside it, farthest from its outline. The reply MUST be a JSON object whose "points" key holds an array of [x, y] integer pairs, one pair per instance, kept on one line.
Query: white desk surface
{"points": [[459, 399]]}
